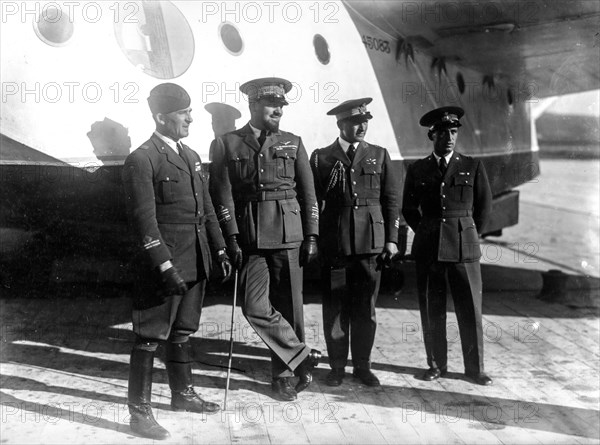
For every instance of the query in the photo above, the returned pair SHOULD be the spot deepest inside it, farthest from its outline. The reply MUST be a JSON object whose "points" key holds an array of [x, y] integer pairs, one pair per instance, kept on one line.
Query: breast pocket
{"points": [[463, 188], [239, 165], [285, 159], [371, 176], [166, 185]]}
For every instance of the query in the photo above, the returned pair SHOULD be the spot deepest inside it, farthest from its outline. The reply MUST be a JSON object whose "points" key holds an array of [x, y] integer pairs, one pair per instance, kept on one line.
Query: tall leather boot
{"points": [[142, 421], [179, 370]]}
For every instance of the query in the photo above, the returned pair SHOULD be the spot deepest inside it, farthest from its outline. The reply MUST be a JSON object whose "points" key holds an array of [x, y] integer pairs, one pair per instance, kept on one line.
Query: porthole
{"points": [[460, 81], [321, 49], [231, 38], [54, 26], [157, 38]]}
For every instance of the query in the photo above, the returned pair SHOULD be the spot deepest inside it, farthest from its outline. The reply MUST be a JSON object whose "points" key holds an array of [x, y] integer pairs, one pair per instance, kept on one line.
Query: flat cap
{"points": [[442, 117], [168, 97], [354, 109], [272, 87]]}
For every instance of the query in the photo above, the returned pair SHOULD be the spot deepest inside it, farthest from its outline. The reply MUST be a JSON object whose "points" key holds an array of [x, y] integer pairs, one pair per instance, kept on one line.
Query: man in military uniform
{"points": [[447, 200], [357, 190], [264, 196], [175, 224]]}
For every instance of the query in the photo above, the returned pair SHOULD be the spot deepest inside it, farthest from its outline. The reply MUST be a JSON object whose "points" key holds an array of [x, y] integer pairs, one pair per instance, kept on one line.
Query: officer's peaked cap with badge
{"points": [[444, 117], [354, 110], [274, 88], [168, 97]]}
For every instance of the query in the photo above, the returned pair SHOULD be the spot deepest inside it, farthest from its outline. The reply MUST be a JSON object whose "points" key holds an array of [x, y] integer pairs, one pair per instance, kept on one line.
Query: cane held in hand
{"points": [[235, 286]]}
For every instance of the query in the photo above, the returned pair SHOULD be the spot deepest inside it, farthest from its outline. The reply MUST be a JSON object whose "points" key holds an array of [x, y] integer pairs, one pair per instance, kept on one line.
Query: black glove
{"points": [[173, 284], [225, 265], [234, 252], [309, 250], [384, 259]]}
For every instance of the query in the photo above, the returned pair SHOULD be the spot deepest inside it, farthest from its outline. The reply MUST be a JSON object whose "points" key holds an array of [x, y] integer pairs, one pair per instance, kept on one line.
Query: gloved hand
{"points": [[384, 259], [308, 250], [225, 265], [234, 252], [173, 284]]}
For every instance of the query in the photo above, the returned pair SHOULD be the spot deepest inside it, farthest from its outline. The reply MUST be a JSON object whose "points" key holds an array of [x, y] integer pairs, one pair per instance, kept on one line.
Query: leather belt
{"points": [[358, 202], [270, 195], [450, 214], [167, 219]]}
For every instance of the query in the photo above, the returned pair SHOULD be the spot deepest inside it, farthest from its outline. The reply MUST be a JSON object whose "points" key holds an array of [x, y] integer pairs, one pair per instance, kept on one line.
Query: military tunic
{"points": [[173, 218], [265, 195], [446, 213], [359, 203]]}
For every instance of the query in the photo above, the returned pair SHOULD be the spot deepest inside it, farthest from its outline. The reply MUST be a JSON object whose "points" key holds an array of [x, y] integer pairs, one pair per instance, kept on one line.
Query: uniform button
{"points": [[167, 178], [443, 196], [261, 155], [352, 170], [355, 207], [443, 184], [261, 185], [443, 219], [468, 173], [355, 194], [443, 208], [196, 194], [353, 182], [262, 170]]}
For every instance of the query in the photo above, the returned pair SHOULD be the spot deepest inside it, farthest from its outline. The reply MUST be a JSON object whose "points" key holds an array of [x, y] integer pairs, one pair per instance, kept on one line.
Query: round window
{"points": [[321, 49], [230, 36], [156, 37], [54, 26]]}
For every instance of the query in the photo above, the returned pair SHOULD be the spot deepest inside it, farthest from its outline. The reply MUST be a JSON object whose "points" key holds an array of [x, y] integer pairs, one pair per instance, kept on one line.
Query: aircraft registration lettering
{"points": [[376, 44]]}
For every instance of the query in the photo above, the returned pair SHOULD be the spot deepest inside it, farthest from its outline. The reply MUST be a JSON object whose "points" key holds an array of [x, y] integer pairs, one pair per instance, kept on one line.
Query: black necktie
{"points": [[443, 165], [351, 151], [262, 137], [183, 156]]}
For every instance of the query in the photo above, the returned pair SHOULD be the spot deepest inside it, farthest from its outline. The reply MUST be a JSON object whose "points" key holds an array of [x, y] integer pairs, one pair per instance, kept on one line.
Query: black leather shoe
{"points": [[480, 378], [366, 376], [143, 423], [304, 370], [335, 377], [434, 374], [188, 400], [283, 389]]}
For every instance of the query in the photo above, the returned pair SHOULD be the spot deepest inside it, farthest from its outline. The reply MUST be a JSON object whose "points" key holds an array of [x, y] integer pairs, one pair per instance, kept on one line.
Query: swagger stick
{"points": [[235, 286]]}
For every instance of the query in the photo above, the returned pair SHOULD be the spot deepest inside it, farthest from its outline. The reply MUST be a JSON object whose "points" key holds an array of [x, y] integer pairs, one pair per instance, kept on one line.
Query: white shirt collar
{"points": [[167, 140], [345, 144], [448, 157]]}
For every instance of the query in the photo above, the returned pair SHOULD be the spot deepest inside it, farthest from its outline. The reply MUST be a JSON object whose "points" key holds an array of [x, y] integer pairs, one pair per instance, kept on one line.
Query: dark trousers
{"points": [[270, 287], [465, 286], [177, 316], [349, 297]]}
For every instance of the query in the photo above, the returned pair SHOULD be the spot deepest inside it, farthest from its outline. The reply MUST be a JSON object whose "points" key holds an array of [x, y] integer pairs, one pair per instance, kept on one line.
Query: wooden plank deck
{"points": [[64, 367]]}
